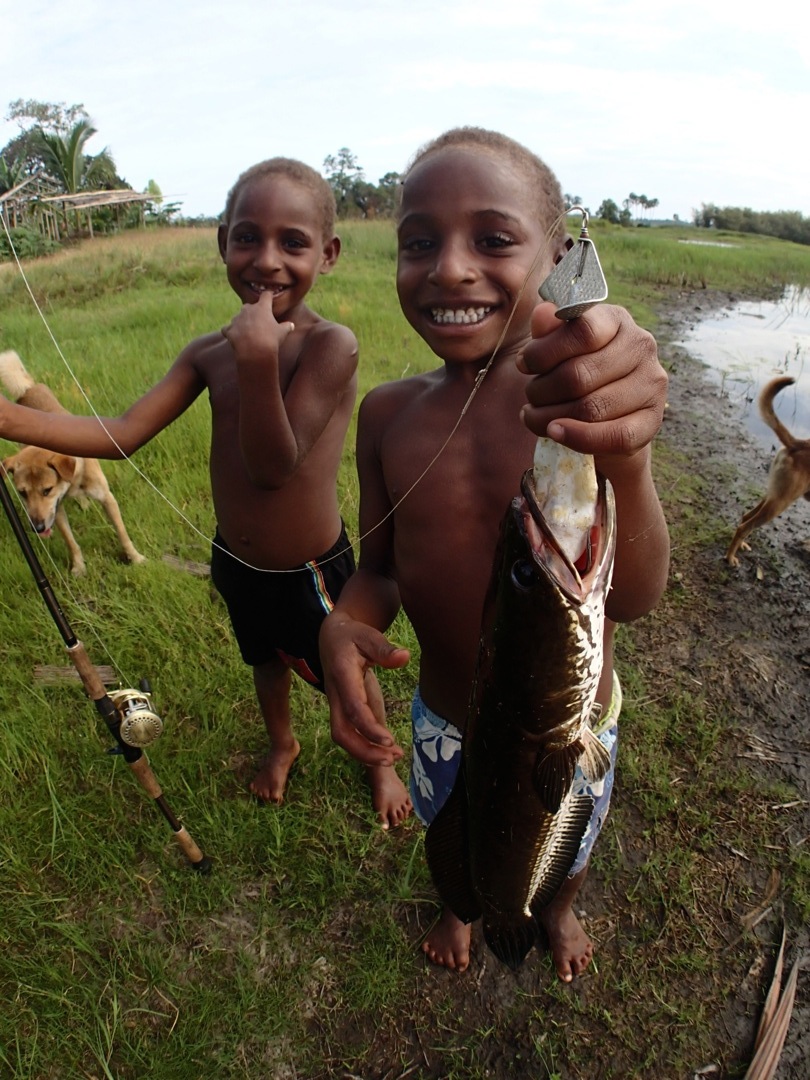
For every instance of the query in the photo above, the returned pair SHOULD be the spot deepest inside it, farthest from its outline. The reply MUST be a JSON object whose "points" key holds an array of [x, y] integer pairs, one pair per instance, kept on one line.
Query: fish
{"points": [[504, 841]]}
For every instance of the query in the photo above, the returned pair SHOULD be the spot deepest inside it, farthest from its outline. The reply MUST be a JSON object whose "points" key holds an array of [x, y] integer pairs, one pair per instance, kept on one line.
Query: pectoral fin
{"points": [[447, 851], [595, 759], [554, 772], [554, 775]]}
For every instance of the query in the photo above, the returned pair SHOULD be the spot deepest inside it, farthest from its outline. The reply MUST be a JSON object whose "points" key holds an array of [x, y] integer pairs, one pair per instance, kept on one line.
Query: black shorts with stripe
{"points": [[280, 614]]}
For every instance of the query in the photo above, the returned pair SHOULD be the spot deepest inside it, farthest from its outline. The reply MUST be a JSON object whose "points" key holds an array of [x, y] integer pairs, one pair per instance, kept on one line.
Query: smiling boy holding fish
{"points": [[475, 211]]}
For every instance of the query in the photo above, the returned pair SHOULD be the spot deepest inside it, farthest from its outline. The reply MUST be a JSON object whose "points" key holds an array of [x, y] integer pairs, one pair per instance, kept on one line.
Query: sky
{"points": [[688, 102]]}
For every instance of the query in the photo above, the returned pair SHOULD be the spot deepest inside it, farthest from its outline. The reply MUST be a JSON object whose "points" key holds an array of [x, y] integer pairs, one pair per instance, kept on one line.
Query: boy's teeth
{"points": [[459, 315]]}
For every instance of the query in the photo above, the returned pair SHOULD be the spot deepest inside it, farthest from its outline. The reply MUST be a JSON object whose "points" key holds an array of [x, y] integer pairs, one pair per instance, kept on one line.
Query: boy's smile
{"points": [[468, 236], [274, 243]]}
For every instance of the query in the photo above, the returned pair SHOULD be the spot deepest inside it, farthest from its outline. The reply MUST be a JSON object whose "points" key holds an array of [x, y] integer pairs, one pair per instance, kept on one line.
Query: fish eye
{"points": [[524, 574]]}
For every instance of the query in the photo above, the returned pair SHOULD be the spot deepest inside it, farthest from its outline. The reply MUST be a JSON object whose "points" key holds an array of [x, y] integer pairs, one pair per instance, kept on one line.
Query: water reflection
{"points": [[748, 343]]}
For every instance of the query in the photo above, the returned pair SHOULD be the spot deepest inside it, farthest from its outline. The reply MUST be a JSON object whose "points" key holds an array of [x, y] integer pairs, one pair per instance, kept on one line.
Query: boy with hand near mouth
{"points": [[282, 384]]}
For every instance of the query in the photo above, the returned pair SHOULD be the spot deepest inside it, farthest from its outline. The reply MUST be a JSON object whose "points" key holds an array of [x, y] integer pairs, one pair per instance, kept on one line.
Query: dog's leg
{"points": [[77, 566], [749, 522], [785, 485], [110, 504]]}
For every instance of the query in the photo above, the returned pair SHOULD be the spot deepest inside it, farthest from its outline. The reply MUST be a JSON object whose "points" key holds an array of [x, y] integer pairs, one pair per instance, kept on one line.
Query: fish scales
{"points": [[508, 834]]}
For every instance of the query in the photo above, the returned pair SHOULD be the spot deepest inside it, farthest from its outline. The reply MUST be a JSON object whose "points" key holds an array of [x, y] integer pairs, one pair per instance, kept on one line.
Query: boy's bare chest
{"points": [[476, 467], [221, 378]]}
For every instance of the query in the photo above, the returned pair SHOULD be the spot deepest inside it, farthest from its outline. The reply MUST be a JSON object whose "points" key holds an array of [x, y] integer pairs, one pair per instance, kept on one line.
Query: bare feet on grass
{"points": [[270, 782], [571, 948], [389, 796], [448, 943]]}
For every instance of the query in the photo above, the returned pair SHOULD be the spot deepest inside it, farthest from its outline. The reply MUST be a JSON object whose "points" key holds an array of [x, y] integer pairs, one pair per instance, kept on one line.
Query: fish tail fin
{"points": [[554, 775], [510, 937], [447, 854], [595, 759], [563, 852]]}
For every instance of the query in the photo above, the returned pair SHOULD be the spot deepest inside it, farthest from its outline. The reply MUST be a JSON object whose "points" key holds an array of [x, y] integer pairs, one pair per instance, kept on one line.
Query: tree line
{"points": [[609, 210], [784, 224]]}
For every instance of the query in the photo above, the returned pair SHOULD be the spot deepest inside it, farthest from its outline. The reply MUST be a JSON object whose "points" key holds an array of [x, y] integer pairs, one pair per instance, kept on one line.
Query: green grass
{"points": [[298, 954]]}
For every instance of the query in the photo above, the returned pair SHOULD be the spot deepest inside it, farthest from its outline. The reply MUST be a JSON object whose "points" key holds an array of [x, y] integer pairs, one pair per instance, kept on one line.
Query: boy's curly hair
{"points": [[298, 172], [543, 183]]}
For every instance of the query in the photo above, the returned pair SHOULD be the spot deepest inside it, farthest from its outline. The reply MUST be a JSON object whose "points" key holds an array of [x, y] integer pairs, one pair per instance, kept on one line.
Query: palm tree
{"points": [[65, 158]]}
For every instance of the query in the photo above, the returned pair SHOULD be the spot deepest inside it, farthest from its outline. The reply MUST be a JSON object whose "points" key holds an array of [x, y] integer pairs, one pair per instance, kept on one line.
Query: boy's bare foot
{"points": [[270, 781], [389, 796], [448, 943], [571, 948]]}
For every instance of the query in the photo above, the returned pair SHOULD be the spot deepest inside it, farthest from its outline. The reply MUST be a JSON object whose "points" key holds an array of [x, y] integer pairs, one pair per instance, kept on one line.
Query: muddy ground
{"points": [[743, 637]]}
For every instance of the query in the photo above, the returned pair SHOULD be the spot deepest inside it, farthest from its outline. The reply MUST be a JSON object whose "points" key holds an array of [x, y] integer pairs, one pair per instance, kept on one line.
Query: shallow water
{"points": [[747, 344]]}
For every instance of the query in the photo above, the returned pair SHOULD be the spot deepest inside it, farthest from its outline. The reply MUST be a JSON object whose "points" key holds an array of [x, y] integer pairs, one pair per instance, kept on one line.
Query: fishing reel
{"points": [[140, 724]]}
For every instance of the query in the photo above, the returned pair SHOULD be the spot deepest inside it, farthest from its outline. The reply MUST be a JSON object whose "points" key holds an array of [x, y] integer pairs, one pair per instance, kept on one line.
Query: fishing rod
{"points": [[127, 713]]}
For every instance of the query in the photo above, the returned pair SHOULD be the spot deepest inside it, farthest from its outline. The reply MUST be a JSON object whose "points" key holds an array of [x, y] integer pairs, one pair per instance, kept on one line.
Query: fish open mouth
{"points": [[575, 577]]}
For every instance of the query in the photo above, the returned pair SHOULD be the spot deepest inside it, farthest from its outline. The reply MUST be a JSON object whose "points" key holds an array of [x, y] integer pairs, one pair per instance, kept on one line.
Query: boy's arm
{"points": [[279, 424], [600, 389], [352, 639], [107, 437]]}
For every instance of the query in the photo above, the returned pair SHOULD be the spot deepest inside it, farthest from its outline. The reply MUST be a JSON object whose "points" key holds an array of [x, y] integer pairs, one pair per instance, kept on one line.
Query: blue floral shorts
{"points": [[437, 756]]}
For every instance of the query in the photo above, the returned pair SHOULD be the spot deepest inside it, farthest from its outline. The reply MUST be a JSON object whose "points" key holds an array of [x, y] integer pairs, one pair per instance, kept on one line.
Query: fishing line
{"points": [[355, 544]]}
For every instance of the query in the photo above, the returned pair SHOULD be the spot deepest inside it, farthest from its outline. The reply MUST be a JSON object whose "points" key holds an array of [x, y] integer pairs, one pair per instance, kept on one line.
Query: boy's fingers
{"points": [[349, 651], [602, 327], [544, 320], [390, 656], [359, 732], [616, 418], [625, 438], [373, 647], [364, 750]]}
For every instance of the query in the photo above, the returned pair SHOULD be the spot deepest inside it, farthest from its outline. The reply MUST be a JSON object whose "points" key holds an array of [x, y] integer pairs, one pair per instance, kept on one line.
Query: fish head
{"points": [[587, 578]]}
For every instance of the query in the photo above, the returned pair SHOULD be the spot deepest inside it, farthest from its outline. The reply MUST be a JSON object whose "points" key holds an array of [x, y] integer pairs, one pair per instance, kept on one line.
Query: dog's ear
{"points": [[64, 464], [9, 463]]}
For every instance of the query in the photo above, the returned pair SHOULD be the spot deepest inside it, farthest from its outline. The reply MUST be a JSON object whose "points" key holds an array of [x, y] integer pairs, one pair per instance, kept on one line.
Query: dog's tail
{"points": [[13, 375], [766, 411]]}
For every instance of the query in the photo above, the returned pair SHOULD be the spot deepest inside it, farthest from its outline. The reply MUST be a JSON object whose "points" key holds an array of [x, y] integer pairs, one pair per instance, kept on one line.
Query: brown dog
{"points": [[788, 479], [43, 478]]}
